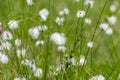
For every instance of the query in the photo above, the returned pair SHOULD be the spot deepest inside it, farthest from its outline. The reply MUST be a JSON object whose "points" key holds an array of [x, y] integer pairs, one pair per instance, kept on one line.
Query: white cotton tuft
{"points": [[13, 24], [44, 14], [58, 38], [80, 14]]}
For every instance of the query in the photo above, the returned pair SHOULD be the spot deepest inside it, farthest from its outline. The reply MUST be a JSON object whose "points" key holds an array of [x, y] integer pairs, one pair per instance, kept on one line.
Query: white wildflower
{"points": [[42, 28], [90, 44], [82, 61], [21, 53], [88, 21], [89, 3], [109, 31], [61, 48], [29, 2], [6, 35], [13, 24], [58, 38], [104, 26], [97, 77], [3, 58], [6, 45], [112, 20], [80, 14], [34, 32], [59, 21], [38, 73], [64, 12], [113, 7], [18, 42], [73, 61], [44, 14], [25, 62], [39, 42], [19, 78]]}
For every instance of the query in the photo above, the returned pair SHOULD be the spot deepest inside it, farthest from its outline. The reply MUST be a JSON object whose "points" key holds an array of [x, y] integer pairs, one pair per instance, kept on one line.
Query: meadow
{"points": [[59, 39]]}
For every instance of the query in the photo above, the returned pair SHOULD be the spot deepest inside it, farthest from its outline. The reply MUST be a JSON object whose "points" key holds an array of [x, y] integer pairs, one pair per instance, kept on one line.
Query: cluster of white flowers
{"points": [[3, 58], [13, 24], [97, 77], [58, 38], [34, 32], [37, 72], [29, 2], [44, 14], [82, 61], [64, 12], [90, 44], [89, 3], [106, 28], [80, 14], [59, 21]]}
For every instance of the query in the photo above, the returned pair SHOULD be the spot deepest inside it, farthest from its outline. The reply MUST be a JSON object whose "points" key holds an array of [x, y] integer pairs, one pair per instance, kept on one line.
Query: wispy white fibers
{"points": [[29, 2], [44, 14], [80, 14], [64, 12], [58, 38], [6, 35], [13, 24], [97, 77], [89, 3], [3, 58], [90, 44]]}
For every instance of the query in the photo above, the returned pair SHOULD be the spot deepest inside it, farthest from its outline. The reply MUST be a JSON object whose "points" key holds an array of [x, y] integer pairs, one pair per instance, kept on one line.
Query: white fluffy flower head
{"points": [[97, 77], [90, 44], [89, 3], [6, 35], [80, 14], [44, 14], [30, 2], [13, 24], [58, 38]]}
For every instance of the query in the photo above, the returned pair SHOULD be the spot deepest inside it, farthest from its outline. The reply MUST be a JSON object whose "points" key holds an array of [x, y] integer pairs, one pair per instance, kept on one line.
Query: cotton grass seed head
{"points": [[112, 20], [44, 14], [82, 60], [59, 21], [90, 44], [34, 32], [64, 12], [3, 58], [6, 35], [97, 77], [89, 3], [29, 2], [13, 24], [80, 14], [58, 38]]}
